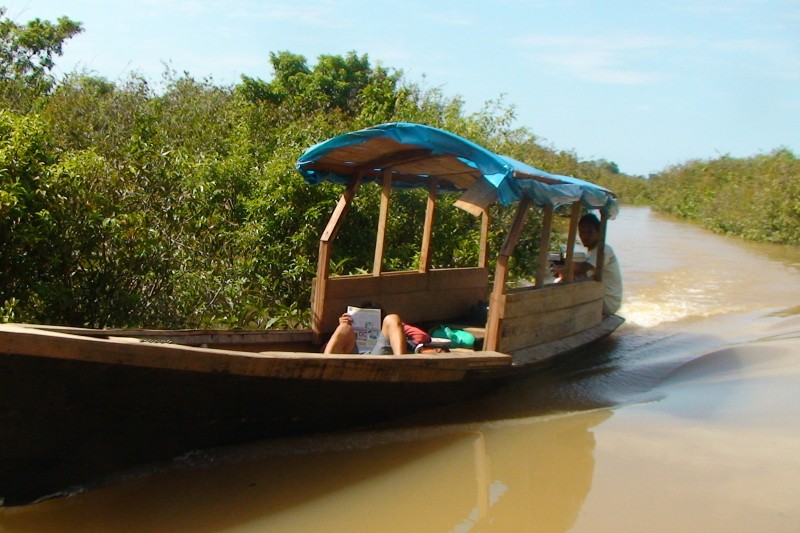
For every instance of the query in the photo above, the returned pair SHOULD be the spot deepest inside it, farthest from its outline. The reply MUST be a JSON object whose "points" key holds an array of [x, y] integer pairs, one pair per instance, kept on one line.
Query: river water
{"points": [[686, 419]]}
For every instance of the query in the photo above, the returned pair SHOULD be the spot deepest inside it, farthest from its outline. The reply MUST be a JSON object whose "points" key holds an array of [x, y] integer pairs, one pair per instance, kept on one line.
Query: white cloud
{"points": [[607, 59]]}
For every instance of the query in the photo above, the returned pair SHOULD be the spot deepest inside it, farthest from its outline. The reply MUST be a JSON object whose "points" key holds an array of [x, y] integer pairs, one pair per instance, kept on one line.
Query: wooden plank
{"points": [[323, 262], [427, 306], [516, 227], [335, 222], [414, 368], [404, 159], [392, 160], [433, 305], [416, 296], [457, 278], [320, 289], [189, 336], [496, 300], [477, 199], [531, 330], [544, 246], [521, 324], [523, 302], [542, 352], [427, 232], [409, 281], [601, 248], [569, 272], [483, 250], [383, 220]]}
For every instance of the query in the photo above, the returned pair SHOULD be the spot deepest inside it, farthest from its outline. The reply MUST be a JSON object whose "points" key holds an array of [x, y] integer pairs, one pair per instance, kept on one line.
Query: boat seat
{"points": [[418, 297]]}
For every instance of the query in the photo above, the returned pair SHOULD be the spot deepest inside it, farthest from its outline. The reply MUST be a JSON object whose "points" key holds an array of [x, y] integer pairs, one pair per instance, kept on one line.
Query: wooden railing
{"points": [[533, 316], [418, 297]]}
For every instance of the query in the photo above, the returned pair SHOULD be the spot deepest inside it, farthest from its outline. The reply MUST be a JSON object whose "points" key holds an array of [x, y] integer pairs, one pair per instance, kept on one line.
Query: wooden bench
{"points": [[526, 317], [418, 297]]}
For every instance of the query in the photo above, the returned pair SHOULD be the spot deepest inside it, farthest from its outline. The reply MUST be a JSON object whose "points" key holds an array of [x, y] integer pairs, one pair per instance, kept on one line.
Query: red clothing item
{"points": [[416, 335]]}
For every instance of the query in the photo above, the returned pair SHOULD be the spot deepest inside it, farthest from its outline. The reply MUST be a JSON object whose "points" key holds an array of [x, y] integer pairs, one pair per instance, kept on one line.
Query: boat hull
{"points": [[68, 422], [74, 409]]}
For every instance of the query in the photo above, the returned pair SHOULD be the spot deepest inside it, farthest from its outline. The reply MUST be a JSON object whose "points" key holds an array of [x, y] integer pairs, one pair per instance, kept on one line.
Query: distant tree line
{"points": [[176, 203], [757, 197]]}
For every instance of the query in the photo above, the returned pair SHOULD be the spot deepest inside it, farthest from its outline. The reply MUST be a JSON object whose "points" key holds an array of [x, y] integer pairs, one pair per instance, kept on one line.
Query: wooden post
{"points": [[569, 273], [427, 232], [483, 250], [544, 245], [323, 263], [496, 300], [601, 247], [380, 238]]}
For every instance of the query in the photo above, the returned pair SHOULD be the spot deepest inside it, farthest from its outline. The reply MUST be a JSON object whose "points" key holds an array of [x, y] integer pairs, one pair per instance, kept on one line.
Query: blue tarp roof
{"points": [[414, 154]]}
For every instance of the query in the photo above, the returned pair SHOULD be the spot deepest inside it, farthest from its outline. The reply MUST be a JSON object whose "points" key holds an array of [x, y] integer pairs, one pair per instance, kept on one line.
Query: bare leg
{"points": [[343, 339], [392, 329]]}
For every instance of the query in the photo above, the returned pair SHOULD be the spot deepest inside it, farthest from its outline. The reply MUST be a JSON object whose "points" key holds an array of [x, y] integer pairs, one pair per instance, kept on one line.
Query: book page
{"points": [[367, 326]]}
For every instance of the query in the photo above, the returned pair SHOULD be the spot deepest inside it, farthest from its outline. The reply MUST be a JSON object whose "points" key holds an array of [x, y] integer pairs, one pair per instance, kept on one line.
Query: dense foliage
{"points": [[27, 53], [177, 205], [757, 198]]}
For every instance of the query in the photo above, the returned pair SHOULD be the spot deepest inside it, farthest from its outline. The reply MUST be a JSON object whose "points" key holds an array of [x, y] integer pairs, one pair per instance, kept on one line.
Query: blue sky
{"points": [[646, 84]]}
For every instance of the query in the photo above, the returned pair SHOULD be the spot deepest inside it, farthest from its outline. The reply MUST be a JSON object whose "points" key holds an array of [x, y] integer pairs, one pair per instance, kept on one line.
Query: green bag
{"points": [[459, 337]]}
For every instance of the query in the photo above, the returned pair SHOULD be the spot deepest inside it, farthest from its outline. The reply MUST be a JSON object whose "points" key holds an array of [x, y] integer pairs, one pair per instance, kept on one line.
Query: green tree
{"points": [[754, 197], [126, 206], [26, 152], [27, 55]]}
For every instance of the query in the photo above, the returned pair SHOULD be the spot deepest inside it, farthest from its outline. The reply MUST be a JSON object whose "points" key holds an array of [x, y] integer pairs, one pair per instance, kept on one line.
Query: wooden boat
{"points": [[78, 404]]}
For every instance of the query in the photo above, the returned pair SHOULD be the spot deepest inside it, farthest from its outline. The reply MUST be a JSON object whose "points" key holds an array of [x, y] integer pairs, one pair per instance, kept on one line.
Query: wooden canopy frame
{"points": [[459, 286], [517, 318], [469, 279]]}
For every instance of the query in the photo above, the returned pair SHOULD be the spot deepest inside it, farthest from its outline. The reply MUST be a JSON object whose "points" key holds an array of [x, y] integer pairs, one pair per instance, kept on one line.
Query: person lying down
{"points": [[396, 338]]}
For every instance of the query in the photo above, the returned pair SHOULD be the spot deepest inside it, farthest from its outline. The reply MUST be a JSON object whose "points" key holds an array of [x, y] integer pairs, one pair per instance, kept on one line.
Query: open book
{"points": [[367, 326]]}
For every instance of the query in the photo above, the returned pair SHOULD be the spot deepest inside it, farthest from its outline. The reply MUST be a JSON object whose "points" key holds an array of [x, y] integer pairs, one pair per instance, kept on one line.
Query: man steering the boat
{"points": [[589, 233], [396, 338]]}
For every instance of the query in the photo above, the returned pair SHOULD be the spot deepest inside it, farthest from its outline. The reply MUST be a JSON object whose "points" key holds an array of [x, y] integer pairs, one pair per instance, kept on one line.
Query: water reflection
{"points": [[540, 474], [501, 476]]}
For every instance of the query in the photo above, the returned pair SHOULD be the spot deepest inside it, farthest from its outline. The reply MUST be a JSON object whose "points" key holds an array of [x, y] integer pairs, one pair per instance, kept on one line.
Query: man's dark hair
{"points": [[591, 220]]}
